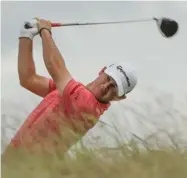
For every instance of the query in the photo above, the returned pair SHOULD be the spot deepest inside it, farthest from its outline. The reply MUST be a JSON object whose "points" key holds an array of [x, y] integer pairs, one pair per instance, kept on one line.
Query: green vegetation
{"points": [[126, 161]]}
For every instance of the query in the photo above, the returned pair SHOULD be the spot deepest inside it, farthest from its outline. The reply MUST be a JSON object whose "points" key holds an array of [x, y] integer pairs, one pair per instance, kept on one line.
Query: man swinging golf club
{"points": [[66, 102]]}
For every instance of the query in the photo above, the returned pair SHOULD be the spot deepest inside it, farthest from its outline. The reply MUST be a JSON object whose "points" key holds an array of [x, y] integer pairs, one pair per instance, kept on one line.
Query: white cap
{"points": [[124, 76]]}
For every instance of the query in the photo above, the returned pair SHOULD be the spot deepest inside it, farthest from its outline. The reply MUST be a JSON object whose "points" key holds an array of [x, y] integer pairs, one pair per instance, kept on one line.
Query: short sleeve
{"points": [[52, 85]]}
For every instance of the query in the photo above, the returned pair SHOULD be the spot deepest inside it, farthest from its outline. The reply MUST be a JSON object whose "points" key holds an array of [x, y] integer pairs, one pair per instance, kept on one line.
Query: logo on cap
{"points": [[126, 77]]}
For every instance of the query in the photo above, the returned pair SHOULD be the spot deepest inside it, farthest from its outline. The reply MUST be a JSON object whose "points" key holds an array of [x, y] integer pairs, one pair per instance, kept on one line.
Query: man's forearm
{"points": [[52, 57], [26, 67]]}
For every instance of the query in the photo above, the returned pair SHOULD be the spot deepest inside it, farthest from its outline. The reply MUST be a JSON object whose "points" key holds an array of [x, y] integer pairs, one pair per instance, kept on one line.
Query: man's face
{"points": [[105, 88]]}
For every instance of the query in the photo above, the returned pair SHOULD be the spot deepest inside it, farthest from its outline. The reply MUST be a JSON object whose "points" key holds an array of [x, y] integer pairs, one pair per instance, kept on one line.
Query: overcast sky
{"points": [[161, 62]]}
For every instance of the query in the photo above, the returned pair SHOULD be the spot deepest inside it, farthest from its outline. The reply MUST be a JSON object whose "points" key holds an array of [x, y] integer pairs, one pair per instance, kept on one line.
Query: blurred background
{"points": [[157, 105]]}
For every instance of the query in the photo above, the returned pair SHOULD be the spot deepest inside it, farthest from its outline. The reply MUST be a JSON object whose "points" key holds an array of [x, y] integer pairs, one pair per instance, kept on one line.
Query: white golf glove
{"points": [[31, 31]]}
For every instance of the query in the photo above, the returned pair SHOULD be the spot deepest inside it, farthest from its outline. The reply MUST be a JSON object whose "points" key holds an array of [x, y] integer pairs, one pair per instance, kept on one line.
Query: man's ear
{"points": [[102, 70]]}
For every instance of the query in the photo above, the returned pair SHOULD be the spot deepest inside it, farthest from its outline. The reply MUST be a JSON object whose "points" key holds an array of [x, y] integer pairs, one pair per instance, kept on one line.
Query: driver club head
{"points": [[167, 27]]}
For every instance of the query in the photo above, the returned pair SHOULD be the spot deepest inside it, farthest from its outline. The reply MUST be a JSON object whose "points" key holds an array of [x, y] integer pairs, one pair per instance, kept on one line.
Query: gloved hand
{"points": [[29, 29]]}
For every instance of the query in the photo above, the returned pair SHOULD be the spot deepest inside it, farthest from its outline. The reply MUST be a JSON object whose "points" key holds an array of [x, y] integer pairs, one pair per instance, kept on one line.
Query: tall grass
{"points": [[128, 160]]}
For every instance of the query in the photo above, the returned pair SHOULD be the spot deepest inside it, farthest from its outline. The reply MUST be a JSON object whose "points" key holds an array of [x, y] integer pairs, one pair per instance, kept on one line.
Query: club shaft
{"points": [[101, 23]]}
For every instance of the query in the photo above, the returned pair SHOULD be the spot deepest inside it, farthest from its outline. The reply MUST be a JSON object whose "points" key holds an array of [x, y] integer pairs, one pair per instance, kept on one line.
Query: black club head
{"points": [[167, 27]]}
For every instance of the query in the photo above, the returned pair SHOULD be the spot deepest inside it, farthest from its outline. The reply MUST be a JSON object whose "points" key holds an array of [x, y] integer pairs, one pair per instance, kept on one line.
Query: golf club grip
{"points": [[65, 24], [56, 24]]}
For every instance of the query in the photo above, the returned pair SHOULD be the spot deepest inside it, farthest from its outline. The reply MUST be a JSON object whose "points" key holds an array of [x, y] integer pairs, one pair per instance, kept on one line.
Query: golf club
{"points": [[166, 26]]}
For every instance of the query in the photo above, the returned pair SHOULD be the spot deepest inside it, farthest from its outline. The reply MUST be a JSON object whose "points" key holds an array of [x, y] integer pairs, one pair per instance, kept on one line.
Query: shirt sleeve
{"points": [[70, 89], [52, 85]]}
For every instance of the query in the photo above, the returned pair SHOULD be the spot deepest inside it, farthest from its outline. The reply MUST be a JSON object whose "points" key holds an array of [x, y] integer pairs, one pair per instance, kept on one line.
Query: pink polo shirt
{"points": [[58, 117]]}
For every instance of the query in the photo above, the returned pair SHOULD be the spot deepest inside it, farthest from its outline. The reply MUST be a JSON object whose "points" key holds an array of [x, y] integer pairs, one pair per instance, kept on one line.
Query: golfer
{"points": [[66, 102]]}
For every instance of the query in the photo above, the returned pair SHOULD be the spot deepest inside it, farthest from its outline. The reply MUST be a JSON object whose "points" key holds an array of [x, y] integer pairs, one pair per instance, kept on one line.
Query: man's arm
{"points": [[53, 59], [26, 70]]}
